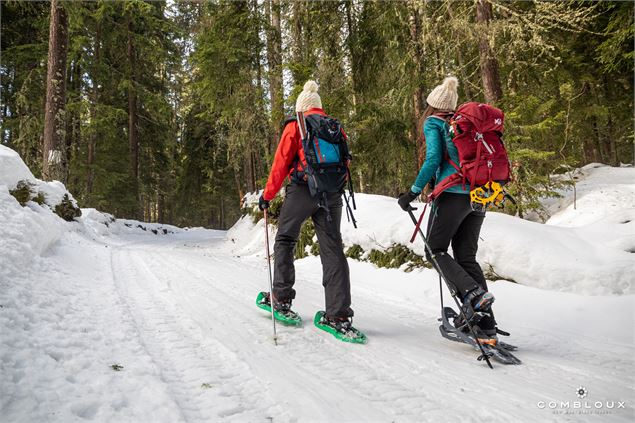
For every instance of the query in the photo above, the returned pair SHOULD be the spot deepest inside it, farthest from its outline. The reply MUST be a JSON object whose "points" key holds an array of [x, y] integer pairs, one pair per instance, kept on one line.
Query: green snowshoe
{"points": [[342, 330], [282, 311]]}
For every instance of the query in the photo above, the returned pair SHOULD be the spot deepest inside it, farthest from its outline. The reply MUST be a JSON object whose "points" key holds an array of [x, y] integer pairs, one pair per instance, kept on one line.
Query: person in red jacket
{"points": [[299, 205]]}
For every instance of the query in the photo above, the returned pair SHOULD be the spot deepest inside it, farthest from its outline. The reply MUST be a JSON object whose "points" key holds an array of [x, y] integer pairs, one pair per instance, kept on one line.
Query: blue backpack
{"points": [[326, 154], [327, 157]]}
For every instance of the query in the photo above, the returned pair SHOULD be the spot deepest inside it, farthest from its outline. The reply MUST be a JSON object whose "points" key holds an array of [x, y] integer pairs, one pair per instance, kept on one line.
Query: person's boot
{"points": [[282, 309], [478, 300], [484, 327], [485, 330]]}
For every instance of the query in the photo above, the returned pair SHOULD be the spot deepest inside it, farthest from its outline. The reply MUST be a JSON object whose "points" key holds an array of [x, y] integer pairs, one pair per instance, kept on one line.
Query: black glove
{"points": [[405, 200], [262, 203]]}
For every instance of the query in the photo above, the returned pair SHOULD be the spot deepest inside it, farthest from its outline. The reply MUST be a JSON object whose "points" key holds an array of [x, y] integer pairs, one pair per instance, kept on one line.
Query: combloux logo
{"points": [[598, 405], [582, 407]]}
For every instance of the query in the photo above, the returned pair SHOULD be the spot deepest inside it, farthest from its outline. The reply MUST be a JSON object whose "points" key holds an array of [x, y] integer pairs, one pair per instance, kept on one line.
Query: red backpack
{"points": [[477, 133]]}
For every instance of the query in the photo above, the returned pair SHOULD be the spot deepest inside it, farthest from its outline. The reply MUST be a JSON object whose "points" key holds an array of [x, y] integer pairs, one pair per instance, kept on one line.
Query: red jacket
{"points": [[289, 148]]}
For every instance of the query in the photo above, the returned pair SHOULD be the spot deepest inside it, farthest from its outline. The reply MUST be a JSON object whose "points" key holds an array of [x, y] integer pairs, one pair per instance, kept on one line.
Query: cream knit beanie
{"points": [[444, 96], [308, 98]]}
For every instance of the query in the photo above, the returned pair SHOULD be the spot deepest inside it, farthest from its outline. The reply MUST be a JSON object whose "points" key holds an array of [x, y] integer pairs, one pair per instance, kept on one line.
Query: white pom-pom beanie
{"points": [[444, 96], [308, 98]]}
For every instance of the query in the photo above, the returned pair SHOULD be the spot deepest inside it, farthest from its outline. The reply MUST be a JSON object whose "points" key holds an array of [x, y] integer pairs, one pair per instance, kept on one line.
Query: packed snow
{"points": [[113, 320]]}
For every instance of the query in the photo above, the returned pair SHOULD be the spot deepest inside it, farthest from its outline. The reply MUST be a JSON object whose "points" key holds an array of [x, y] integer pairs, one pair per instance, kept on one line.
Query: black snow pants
{"points": [[453, 221], [298, 206]]}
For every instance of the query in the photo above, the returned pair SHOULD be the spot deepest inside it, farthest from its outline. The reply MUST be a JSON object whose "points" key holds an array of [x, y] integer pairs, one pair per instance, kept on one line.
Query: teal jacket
{"points": [[437, 133]]}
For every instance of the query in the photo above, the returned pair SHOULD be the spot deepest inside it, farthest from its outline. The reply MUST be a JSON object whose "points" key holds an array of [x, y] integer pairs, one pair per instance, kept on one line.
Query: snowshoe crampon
{"points": [[499, 352], [346, 334], [287, 317]]}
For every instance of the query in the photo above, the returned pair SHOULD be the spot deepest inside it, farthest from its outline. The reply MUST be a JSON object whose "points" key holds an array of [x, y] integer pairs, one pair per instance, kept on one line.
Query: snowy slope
{"points": [[594, 258], [176, 311]]}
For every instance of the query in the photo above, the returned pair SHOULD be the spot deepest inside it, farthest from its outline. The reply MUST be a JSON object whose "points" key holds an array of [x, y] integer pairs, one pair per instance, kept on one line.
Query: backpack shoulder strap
{"points": [[287, 120], [437, 117]]}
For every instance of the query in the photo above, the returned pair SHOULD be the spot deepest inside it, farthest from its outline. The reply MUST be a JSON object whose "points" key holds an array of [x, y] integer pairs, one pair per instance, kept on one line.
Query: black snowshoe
{"points": [[487, 337]]}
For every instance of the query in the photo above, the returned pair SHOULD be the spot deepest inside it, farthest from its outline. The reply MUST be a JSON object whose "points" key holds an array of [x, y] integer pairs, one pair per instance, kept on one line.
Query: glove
{"points": [[405, 200], [262, 203]]}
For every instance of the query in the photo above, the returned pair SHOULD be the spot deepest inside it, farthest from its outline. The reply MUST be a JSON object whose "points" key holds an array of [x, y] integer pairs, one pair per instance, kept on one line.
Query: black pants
{"points": [[298, 206], [453, 221]]}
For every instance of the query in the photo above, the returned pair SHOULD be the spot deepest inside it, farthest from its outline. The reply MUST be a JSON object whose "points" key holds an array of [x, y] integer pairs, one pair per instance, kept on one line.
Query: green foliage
{"points": [[396, 256], [39, 198], [529, 184], [23, 192], [307, 233], [256, 214], [355, 252], [67, 210]]}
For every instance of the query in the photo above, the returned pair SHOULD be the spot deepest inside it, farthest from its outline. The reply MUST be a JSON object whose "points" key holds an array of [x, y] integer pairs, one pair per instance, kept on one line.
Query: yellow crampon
{"points": [[484, 196]]}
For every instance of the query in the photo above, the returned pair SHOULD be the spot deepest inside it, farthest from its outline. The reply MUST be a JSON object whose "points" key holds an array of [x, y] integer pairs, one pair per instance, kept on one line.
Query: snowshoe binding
{"points": [[477, 300], [487, 338], [281, 311], [342, 329]]}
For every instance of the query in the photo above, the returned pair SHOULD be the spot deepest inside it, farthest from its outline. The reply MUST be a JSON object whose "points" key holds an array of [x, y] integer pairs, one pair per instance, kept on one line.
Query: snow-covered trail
{"points": [[193, 306], [178, 313]]}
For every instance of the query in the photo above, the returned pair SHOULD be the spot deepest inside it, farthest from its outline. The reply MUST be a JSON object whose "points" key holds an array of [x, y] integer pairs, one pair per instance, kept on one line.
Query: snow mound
{"points": [[603, 193], [104, 224], [14, 170], [593, 259], [25, 233], [28, 232]]}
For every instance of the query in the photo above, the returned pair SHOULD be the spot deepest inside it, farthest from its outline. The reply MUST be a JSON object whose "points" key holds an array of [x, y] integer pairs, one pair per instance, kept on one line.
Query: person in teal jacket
{"points": [[452, 220]]}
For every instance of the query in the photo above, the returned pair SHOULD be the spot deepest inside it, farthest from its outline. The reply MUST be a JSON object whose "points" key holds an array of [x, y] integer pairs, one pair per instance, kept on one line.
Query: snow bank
{"points": [[98, 223], [588, 250], [603, 193], [14, 170], [27, 232]]}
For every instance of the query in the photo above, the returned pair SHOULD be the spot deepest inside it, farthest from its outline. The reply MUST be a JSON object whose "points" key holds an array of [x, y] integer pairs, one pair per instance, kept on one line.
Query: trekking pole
{"points": [[273, 318], [441, 294], [484, 355]]}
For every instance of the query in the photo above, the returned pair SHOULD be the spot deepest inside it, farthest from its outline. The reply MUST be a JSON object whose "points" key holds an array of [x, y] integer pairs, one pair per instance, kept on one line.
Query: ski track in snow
{"points": [[179, 312]]}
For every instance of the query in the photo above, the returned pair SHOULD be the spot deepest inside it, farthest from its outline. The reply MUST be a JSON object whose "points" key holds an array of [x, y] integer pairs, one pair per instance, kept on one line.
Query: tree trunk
{"points": [[297, 44], [53, 150], [92, 140], [239, 187], [459, 56], [222, 213], [611, 141], [274, 60], [73, 118], [489, 64], [133, 128], [417, 52], [351, 43], [597, 151]]}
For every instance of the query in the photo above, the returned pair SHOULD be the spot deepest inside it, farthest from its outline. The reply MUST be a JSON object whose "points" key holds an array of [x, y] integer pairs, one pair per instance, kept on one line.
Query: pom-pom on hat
{"points": [[444, 96], [308, 98]]}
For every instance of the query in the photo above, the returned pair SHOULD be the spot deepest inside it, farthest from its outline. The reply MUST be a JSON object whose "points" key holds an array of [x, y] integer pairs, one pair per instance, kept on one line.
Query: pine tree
{"points": [[54, 160]]}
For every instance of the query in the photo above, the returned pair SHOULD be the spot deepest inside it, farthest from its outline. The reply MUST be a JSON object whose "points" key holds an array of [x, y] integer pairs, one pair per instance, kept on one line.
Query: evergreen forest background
{"points": [[171, 111]]}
